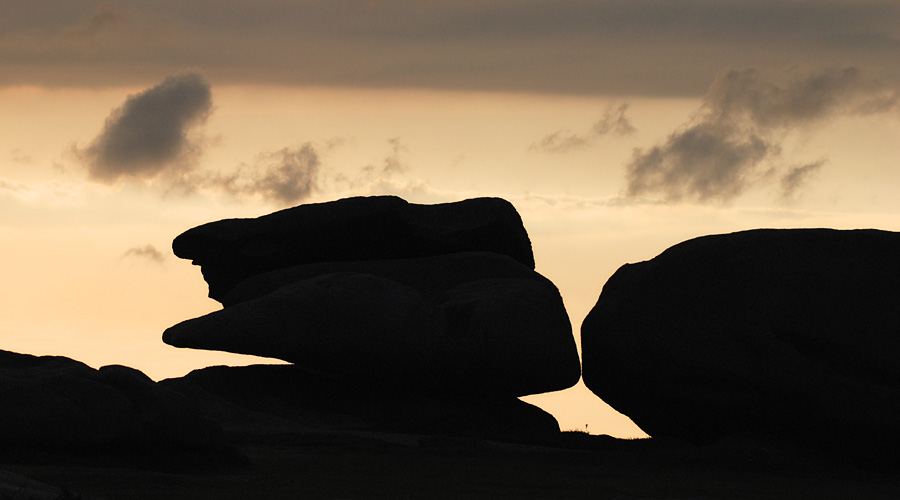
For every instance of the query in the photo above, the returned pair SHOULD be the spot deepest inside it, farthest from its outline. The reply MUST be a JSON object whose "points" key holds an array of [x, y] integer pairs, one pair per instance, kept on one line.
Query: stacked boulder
{"points": [[775, 334], [424, 300]]}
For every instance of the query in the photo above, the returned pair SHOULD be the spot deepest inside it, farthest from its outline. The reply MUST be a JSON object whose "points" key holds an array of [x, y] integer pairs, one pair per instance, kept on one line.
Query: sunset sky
{"points": [[617, 128]]}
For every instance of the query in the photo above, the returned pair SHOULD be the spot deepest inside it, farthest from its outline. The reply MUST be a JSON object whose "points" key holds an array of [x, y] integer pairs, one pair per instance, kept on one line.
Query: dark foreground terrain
{"points": [[347, 465]]}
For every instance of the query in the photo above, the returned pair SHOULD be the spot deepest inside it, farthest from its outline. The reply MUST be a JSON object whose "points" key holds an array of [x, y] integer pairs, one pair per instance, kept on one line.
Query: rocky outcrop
{"points": [[789, 334], [284, 399], [439, 303], [16, 486], [352, 229], [474, 323], [56, 403]]}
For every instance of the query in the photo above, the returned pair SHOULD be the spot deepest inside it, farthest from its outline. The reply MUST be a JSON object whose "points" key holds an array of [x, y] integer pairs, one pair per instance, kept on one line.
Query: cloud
{"points": [[734, 140], [53, 194], [701, 162], [152, 133], [287, 176], [613, 122], [391, 164], [17, 155], [796, 177], [748, 96], [561, 141], [614, 47], [148, 252], [106, 17]]}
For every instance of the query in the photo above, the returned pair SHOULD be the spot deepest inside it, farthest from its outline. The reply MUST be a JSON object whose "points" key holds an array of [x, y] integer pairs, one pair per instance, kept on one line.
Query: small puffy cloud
{"points": [[147, 252], [287, 176], [613, 122], [151, 134], [734, 140]]}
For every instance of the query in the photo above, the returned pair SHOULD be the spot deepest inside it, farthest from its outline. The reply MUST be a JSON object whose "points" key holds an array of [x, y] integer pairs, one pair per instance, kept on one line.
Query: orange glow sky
{"points": [[796, 103]]}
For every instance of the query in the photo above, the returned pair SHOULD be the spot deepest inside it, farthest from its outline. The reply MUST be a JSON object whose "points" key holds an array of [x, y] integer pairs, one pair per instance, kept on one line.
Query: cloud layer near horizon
{"points": [[635, 47], [734, 141]]}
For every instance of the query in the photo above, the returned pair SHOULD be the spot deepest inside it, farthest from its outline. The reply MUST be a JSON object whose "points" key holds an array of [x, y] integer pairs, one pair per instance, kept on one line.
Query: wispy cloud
{"points": [[21, 157], [53, 193], [613, 122], [153, 134], [381, 172], [734, 141], [286, 176], [293, 175], [796, 176], [107, 16], [392, 163], [146, 252]]}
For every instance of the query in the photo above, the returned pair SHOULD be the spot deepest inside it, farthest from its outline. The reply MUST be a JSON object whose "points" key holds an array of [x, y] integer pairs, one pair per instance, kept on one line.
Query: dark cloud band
{"points": [[633, 47]]}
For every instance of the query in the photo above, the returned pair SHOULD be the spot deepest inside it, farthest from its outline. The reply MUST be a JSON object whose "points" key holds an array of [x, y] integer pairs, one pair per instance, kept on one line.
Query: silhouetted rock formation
{"points": [[432, 301], [13, 486], [277, 399], [787, 334], [462, 323], [56, 403], [351, 229]]}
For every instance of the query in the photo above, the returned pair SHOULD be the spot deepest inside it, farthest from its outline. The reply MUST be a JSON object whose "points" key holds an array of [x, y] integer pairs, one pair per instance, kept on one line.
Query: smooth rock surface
{"points": [[352, 229], [421, 324], [793, 334]]}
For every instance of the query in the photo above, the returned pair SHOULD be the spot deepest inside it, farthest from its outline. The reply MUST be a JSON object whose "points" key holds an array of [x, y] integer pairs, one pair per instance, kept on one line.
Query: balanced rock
{"points": [[352, 229], [472, 323], [789, 334], [56, 403]]}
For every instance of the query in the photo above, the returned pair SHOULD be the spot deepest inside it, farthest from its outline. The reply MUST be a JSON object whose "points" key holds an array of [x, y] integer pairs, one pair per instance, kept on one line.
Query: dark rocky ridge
{"points": [[57, 404], [352, 229], [788, 334]]}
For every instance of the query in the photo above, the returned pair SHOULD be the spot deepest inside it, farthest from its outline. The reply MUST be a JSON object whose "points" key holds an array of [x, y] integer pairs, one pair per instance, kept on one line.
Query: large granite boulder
{"points": [[787, 334], [471, 323], [352, 229], [56, 403]]}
